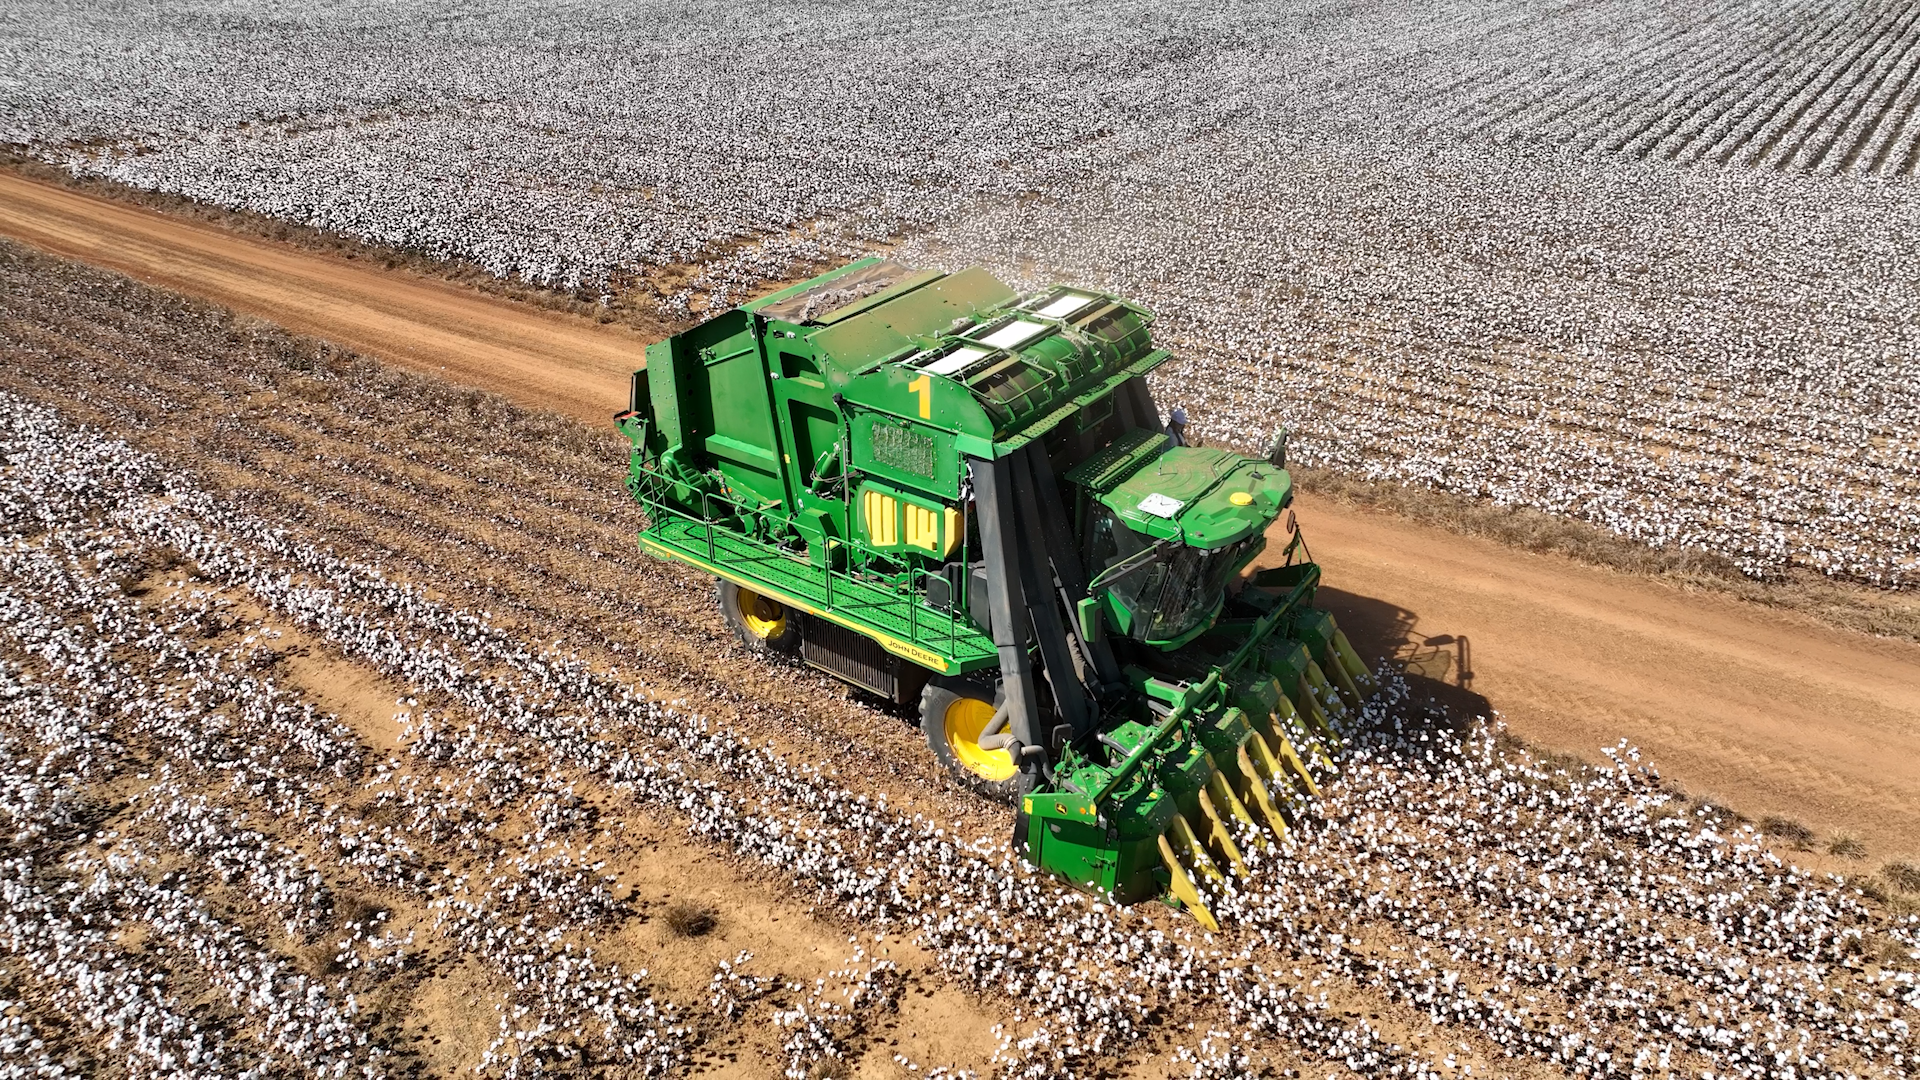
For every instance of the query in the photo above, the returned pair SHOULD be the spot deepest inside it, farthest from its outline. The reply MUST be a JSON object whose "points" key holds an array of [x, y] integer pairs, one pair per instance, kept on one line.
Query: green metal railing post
{"points": [[706, 512]]}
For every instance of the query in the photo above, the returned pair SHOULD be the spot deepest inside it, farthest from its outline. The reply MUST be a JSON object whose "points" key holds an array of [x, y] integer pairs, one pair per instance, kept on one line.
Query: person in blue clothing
{"points": [[1177, 426]]}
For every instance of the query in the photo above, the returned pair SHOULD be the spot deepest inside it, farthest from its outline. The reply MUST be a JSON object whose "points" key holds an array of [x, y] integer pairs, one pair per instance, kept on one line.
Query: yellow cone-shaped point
{"points": [[1342, 681], [1228, 801], [1323, 692], [1192, 854], [1256, 777], [1182, 885], [1269, 768], [1289, 757], [1328, 703], [1292, 731], [1362, 678], [1213, 830]]}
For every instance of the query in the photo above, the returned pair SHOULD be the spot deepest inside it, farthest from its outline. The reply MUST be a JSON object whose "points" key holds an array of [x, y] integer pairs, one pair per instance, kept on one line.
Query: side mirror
{"points": [[1091, 625], [1277, 450]]}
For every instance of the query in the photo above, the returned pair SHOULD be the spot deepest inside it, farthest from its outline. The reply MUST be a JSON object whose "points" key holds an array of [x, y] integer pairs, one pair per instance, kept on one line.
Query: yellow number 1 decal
{"points": [[925, 389]]}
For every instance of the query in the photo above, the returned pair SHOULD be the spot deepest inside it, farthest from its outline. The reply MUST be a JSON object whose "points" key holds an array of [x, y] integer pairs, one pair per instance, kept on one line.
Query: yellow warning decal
{"points": [[882, 512]]}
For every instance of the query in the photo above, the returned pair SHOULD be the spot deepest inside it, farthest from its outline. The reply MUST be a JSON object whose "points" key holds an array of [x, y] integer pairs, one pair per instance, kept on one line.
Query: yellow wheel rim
{"points": [[764, 617], [966, 718]]}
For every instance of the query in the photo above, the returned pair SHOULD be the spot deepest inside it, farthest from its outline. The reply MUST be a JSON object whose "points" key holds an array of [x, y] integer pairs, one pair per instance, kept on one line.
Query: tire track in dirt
{"points": [[1769, 713]]}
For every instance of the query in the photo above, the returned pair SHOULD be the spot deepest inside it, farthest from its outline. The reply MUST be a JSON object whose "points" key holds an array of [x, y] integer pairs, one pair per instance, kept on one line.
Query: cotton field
{"points": [[1592, 923], [217, 861], [1647, 268]]}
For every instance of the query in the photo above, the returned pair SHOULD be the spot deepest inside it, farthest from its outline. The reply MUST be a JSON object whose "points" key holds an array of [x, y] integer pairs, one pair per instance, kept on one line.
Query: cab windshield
{"points": [[1169, 598]]}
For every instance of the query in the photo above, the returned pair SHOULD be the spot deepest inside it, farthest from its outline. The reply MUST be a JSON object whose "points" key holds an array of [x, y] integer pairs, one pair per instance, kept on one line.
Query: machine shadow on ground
{"points": [[1438, 666]]}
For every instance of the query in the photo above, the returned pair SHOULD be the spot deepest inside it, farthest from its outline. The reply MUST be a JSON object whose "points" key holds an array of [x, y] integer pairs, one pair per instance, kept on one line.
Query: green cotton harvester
{"points": [[952, 493]]}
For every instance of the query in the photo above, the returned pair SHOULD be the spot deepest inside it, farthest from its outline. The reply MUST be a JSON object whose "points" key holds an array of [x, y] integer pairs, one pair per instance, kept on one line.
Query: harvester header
{"points": [[952, 493]]}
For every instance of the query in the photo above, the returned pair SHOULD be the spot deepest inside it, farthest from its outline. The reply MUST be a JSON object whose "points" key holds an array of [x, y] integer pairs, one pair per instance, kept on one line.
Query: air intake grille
{"points": [[854, 657]]}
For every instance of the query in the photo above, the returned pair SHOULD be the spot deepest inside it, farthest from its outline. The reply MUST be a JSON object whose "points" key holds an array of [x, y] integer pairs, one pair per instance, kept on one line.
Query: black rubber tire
{"points": [[939, 694], [784, 640]]}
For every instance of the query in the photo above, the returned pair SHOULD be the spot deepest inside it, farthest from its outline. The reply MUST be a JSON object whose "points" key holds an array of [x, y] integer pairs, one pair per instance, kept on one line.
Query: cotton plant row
{"points": [[821, 1024], [1823, 88], [999, 928], [190, 696], [86, 976], [23, 1051], [102, 890], [65, 922], [561, 987]]}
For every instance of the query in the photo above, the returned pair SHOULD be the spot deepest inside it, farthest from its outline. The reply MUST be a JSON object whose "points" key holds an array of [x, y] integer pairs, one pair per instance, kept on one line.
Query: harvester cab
{"points": [[961, 496]]}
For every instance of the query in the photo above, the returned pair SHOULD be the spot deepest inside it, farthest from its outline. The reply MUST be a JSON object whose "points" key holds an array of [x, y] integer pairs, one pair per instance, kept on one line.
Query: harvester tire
{"points": [[952, 714], [761, 623]]}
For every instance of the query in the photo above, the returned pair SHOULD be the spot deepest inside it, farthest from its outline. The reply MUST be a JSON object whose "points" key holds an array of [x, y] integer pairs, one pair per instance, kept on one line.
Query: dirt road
{"points": [[1770, 713], [533, 356]]}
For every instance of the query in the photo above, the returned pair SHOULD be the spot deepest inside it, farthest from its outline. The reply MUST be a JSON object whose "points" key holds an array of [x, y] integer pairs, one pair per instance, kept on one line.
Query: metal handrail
{"points": [[891, 603]]}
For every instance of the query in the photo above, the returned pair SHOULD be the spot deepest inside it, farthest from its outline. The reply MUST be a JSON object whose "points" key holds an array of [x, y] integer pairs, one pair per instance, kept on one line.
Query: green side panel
{"points": [[663, 384], [1256, 693], [1221, 733], [1076, 849], [743, 441], [816, 433], [1314, 628], [710, 399], [1114, 849], [857, 343]]}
